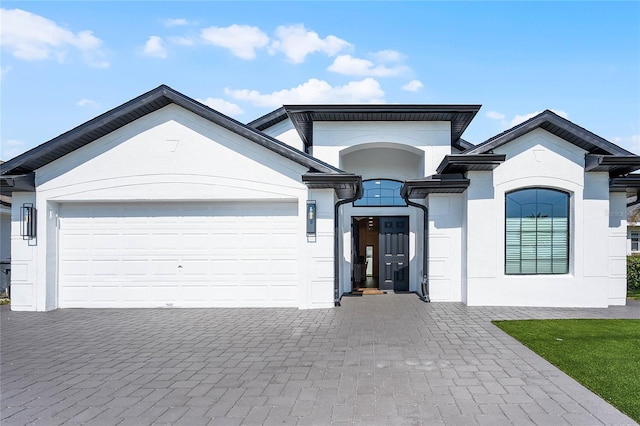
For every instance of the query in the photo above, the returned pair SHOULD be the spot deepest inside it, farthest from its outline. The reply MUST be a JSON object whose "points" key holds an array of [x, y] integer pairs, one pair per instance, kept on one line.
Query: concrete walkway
{"points": [[385, 359]]}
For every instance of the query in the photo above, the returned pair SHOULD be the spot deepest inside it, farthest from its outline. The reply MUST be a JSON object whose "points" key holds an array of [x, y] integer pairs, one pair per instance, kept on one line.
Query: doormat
{"points": [[366, 291]]}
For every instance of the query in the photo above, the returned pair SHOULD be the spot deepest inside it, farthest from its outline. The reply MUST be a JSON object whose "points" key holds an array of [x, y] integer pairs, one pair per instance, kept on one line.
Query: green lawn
{"points": [[633, 294], [603, 355]]}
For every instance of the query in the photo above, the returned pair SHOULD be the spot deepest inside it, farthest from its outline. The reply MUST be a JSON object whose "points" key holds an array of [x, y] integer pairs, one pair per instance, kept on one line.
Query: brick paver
{"points": [[383, 359]]}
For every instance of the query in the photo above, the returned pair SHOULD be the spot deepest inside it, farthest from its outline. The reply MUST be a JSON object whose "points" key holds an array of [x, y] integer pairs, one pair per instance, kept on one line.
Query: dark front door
{"points": [[394, 253]]}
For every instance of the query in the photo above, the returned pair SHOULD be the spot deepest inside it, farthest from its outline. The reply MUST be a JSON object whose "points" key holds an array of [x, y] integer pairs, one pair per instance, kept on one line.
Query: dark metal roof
{"points": [[136, 108], [345, 185], [434, 184], [462, 145], [303, 116], [558, 126], [616, 165], [461, 163], [270, 119]]}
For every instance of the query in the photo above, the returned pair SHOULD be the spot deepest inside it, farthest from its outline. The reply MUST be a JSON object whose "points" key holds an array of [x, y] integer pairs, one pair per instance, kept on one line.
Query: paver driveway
{"points": [[387, 359]]}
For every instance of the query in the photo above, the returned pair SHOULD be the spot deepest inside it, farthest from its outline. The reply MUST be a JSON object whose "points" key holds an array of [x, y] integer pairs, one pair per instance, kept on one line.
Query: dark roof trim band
{"points": [[615, 165], [435, 184], [345, 185], [462, 163], [17, 183]]}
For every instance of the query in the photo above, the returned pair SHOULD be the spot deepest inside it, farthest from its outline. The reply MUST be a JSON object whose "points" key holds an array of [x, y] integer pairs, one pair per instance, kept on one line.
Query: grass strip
{"points": [[603, 355]]}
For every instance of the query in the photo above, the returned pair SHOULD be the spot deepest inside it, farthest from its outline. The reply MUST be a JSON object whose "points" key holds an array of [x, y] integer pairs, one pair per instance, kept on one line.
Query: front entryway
{"points": [[381, 252]]}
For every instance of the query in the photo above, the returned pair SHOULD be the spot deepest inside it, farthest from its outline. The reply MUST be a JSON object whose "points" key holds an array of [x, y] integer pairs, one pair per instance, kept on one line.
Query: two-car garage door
{"points": [[178, 254]]}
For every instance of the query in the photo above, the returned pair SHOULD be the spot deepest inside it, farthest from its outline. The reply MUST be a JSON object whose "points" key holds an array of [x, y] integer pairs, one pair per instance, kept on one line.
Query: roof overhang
{"points": [[136, 108], [434, 184], [303, 116], [629, 184], [270, 119], [558, 126], [616, 165], [17, 183], [461, 163], [346, 185]]}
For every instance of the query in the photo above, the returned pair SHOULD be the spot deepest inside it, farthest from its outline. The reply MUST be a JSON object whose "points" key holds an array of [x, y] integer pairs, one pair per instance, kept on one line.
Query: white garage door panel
{"points": [[152, 254]]}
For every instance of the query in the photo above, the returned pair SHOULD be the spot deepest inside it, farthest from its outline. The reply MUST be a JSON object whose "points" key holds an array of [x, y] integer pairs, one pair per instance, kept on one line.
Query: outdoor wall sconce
{"points": [[28, 221], [311, 218]]}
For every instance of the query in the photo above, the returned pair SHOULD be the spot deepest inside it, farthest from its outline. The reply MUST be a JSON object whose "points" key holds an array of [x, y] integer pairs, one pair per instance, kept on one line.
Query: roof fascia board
{"points": [[269, 120], [303, 116], [547, 117], [131, 110], [17, 183], [89, 126], [346, 185], [421, 188], [619, 165], [460, 163]]}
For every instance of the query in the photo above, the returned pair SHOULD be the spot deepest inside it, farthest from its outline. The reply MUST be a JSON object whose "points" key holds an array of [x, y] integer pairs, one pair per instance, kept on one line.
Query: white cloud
{"points": [[175, 22], [389, 56], [154, 47], [241, 40], [348, 65], [522, 118], [12, 148], [296, 42], [630, 143], [32, 37], [494, 115], [315, 91], [87, 102], [220, 105], [413, 86]]}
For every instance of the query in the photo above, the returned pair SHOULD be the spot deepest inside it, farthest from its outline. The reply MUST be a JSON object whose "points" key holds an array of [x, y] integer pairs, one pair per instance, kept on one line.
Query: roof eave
{"points": [[136, 108], [346, 185], [436, 184], [559, 126], [618, 165], [461, 163], [17, 183]]}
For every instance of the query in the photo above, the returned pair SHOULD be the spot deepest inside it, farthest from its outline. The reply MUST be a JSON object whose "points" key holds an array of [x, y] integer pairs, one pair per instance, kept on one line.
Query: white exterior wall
{"points": [[539, 159], [318, 263], [169, 155], [331, 139], [24, 254], [287, 133], [445, 247]]}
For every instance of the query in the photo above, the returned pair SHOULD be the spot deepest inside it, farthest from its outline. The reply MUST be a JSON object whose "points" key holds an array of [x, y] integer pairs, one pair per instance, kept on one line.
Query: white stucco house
{"points": [[163, 201]]}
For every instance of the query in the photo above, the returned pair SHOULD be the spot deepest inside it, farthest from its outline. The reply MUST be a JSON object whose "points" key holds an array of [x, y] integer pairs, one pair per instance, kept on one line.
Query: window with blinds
{"points": [[537, 232]]}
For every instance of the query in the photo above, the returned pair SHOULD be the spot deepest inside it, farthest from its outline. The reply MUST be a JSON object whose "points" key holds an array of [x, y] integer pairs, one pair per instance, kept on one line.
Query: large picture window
{"points": [[537, 232], [381, 192]]}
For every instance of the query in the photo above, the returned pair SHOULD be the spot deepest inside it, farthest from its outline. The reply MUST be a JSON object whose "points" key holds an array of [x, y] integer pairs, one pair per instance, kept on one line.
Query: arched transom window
{"points": [[537, 232], [381, 192]]}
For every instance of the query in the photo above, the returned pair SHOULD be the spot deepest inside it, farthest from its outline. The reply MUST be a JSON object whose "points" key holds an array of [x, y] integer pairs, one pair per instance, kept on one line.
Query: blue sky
{"points": [[63, 63]]}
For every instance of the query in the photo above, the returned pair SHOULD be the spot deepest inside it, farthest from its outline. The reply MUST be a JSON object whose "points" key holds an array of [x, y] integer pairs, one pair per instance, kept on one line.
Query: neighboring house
{"points": [[163, 201], [633, 228]]}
